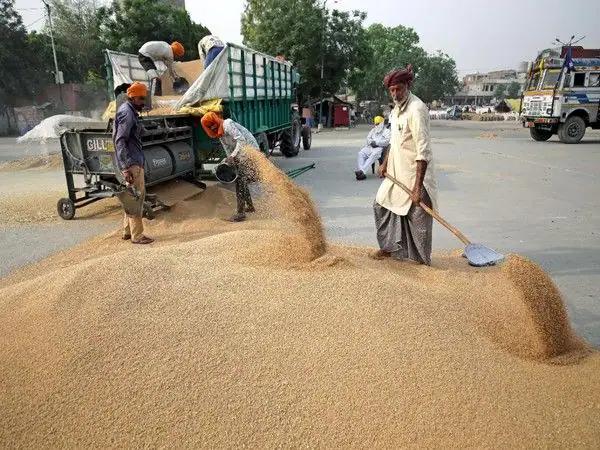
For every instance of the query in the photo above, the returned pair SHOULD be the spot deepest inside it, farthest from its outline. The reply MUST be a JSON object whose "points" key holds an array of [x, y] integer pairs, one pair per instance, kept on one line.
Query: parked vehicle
{"points": [[562, 94]]}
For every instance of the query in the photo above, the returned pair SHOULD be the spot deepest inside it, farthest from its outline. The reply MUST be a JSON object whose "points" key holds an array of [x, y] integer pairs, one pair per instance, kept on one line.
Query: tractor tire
{"points": [[66, 208], [290, 139], [306, 138], [263, 143], [540, 135], [572, 131]]}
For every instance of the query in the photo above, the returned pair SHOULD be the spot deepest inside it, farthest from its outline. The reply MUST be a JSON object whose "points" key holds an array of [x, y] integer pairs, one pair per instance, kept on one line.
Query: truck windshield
{"points": [[550, 78]]}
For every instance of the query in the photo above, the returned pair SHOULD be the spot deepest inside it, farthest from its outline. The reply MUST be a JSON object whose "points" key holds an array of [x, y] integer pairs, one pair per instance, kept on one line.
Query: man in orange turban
{"points": [[404, 229], [154, 51], [234, 138], [127, 137]]}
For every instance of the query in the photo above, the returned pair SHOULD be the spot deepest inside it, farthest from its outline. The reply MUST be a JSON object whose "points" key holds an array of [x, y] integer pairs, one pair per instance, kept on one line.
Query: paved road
{"points": [[497, 185]]}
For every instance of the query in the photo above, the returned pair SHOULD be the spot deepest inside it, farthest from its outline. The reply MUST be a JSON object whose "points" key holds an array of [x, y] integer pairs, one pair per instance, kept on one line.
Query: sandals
{"points": [[380, 254], [239, 217], [143, 240]]}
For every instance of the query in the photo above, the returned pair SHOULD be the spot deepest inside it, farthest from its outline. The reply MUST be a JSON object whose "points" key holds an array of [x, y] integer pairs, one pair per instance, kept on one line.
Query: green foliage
{"points": [[500, 92], [304, 33], [513, 90], [128, 24], [396, 47], [436, 78], [16, 71]]}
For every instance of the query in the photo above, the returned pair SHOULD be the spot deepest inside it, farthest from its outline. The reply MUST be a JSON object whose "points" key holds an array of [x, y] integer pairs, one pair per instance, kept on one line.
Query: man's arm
{"points": [[419, 127], [384, 140], [125, 120]]}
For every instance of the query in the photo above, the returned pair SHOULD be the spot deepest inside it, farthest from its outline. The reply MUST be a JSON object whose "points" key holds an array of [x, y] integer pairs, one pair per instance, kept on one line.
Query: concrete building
{"points": [[478, 88]]}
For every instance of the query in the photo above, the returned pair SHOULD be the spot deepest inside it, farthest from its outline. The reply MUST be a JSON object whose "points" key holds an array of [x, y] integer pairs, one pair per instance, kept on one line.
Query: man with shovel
{"points": [[127, 132], [404, 228]]}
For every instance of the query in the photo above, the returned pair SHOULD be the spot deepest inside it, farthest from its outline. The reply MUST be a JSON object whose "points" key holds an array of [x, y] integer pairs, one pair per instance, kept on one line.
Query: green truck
{"points": [[256, 90]]}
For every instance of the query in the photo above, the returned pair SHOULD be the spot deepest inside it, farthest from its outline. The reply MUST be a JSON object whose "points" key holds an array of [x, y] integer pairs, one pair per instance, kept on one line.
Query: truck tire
{"points": [[263, 143], [290, 139], [540, 135], [306, 138], [572, 131]]}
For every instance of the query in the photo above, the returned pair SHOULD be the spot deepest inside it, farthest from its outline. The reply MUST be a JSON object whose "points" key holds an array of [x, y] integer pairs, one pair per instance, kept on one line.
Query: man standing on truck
{"points": [[127, 132], [154, 51], [234, 137], [209, 48], [404, 229]]}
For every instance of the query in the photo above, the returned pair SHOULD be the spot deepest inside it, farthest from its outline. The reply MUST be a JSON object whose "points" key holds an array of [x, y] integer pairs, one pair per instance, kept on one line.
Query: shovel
{"points": [[130, 200], [477, 254]]}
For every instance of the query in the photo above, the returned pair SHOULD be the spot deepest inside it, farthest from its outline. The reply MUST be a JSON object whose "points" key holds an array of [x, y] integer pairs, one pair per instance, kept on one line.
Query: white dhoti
{"points": [[367, 156]]}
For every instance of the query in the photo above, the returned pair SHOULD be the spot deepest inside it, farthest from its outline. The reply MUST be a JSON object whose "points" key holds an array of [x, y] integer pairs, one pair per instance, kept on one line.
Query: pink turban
{"points": [[399, 76]]}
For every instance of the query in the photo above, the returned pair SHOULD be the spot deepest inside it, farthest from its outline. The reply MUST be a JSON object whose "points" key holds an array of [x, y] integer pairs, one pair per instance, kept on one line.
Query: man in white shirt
{"points": [[154, 51], [234, 137], [404, 229], [377, 140]]}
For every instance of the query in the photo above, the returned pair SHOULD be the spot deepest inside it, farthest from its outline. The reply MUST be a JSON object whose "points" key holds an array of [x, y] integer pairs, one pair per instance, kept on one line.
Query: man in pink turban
{"points": [[404, 229]]}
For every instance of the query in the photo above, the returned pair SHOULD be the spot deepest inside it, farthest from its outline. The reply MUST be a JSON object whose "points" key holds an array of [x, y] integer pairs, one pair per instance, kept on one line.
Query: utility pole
{"points": [[325, 16], [57, 77]]}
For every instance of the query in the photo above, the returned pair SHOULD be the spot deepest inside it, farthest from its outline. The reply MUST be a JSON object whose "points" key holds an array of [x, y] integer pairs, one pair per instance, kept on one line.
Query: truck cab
{"points": [[562, 94]]}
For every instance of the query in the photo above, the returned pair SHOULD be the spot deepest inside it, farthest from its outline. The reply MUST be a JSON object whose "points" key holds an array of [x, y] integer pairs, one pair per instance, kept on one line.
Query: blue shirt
{"points": [[127, 136], [212, 54]]}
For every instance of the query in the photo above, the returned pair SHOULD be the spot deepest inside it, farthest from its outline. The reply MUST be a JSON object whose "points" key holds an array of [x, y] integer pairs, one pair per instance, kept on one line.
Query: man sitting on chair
{"points": [[377, 140]]}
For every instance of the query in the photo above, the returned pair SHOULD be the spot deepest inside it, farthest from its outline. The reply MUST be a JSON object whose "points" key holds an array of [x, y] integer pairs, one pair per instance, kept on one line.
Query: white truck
{"points": [[562, 94]]}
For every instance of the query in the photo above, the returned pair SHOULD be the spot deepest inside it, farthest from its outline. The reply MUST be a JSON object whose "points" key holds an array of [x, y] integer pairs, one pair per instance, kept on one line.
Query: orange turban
{"points": [[137, 89], [212, 124], [399, 77], [178, 49]]}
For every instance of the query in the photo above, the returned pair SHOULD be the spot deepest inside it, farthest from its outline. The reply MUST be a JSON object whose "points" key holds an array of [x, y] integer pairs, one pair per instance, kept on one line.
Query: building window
{"points": [[594, 80]]}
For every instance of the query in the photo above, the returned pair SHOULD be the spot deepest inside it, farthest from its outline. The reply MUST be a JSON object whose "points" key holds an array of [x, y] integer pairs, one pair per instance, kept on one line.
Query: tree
{"points": [[388, 48], [77, 37], [128, 24], [437, 78], [500, 92], [306, 34], [514, 89]]}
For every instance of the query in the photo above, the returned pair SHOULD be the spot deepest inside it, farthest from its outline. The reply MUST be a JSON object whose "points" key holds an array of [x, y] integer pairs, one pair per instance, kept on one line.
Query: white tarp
{"points": [[53, 127], [274, 78], [126, 69]]}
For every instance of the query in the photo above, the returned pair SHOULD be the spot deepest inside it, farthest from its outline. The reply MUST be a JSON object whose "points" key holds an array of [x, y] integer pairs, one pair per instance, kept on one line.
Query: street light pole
{"points": [[56, 71], [322, 60]]}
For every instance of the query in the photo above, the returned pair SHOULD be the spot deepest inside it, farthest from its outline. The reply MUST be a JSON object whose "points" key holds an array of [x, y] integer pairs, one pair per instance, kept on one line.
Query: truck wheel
{"points": [[263, 143], [572, 131], [290, 139], [540, 135], [306, 138], [66, 208]]}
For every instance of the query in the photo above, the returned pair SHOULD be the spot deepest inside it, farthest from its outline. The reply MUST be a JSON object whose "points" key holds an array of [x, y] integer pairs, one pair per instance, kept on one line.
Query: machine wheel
{"points": [[572, 131], [290, 139], [263, 143], [66, 208], [148, 212], [306, 138], [540, 135]]}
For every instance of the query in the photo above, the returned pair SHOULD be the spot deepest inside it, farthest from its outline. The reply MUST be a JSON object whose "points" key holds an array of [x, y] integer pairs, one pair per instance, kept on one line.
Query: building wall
{"points": [[478, 88]]}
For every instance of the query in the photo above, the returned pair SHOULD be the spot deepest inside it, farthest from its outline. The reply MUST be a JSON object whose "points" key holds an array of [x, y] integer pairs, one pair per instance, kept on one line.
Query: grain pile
{"points": [[52, 161], [198, 342]]}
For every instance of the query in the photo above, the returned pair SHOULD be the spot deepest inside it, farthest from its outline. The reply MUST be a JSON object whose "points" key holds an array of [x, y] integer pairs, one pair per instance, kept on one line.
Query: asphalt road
{"points": [[496, 185]]}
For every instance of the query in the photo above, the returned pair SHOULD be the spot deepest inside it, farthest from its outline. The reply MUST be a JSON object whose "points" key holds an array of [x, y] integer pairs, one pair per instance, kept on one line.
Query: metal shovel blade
{"points": [[481, 256], [132, 204]]}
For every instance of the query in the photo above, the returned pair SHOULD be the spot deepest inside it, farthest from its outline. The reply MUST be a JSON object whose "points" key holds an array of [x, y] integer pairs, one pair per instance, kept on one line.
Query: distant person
{"points": [[127, 131], [209, 48], [377, 140], [234, 137], [154, 51], [404, 229]]}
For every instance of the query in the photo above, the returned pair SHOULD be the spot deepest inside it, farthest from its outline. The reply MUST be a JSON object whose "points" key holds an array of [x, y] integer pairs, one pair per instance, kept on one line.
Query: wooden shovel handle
{"points": [[431, 212]]}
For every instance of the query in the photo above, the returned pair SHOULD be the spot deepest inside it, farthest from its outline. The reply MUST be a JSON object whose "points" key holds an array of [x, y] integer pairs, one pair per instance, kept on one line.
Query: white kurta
{"points": [[410, 142], [380, 135], [159, 51]]}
